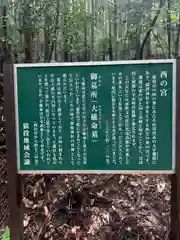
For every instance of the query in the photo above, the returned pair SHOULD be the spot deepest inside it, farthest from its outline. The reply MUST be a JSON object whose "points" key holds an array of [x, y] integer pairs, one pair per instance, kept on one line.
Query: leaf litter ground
{"points": [[94, 207]]}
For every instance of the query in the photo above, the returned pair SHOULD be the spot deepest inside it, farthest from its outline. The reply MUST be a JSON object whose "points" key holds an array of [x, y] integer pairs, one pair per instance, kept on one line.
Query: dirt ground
{"points": [[93, 207]]}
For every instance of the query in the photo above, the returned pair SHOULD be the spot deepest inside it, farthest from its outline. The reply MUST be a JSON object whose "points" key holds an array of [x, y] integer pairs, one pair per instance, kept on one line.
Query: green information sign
{"points": [[95, 117]]}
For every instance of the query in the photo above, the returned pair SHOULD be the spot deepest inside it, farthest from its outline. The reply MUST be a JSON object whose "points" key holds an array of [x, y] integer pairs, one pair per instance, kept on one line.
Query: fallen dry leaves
{"points": [[97, 207]]}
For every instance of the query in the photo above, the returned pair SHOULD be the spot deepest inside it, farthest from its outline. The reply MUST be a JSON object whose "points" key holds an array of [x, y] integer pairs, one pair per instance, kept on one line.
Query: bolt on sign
{"points": [[95, 117]]}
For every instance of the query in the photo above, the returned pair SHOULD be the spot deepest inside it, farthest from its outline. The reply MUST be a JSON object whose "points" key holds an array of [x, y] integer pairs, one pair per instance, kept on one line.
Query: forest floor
{"points": [[92, 207], [89, 207]]}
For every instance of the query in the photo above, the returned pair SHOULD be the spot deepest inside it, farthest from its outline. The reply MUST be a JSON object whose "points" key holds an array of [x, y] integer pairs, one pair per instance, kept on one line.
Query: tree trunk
{"points": [[177, 39], [28, 46], [65, 35], [148, 43], [115, 30], [161, 3], [38, 48], [160, 45], [104, 52], [85, 41], [4, 50], [138, 44], [110, 47], [54, 40], [92, 30], [148, 48], [47, 39], [28, 33], [169, 27]]}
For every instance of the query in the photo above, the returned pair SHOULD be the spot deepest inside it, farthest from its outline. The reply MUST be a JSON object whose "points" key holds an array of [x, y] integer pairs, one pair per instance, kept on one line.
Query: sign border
{"points": [[97, 63]]}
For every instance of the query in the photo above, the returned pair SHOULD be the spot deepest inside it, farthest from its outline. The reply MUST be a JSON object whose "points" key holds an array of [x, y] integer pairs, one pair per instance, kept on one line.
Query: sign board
{"points": [[95, 117]]}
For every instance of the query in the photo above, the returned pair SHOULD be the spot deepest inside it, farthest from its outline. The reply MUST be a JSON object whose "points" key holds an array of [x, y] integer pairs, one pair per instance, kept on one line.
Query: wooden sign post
{"points": [[98, 117], [14, 179], [175, 178]]}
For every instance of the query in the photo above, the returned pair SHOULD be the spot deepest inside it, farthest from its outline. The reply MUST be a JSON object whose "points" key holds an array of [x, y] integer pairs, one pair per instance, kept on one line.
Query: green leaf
{"points": [[174, 18], [6, 234]]}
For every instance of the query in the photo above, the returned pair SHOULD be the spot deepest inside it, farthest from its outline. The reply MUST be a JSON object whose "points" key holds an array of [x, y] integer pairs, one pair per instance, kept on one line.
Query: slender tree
{"points": [[161, 3], [169, 27]]}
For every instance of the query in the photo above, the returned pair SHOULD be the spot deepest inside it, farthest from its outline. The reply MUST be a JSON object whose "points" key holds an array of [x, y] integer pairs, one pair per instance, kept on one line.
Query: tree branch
{"points": [[3, 147]]}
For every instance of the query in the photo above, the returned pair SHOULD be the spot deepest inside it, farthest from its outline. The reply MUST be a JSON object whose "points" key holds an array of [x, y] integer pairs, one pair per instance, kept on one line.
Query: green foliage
{"points": [[174, 18], [120, 23], [6, 234]]}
